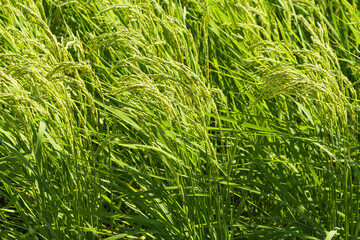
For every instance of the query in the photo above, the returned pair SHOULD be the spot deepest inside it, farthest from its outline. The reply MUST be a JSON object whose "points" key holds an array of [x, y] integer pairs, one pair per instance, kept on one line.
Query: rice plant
{"points": [[164, 119]]}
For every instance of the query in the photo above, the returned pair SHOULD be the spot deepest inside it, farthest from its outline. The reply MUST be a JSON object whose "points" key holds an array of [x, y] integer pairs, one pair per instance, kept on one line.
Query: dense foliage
{"points": [[179, 119]]}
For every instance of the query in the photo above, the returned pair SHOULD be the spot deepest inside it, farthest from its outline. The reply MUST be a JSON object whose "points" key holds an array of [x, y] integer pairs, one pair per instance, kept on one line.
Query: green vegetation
{"points": [[179, 119]]}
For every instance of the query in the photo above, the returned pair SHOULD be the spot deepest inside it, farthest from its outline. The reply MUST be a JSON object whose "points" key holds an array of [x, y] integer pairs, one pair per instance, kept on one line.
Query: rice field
{"points": [[179, 119]]}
